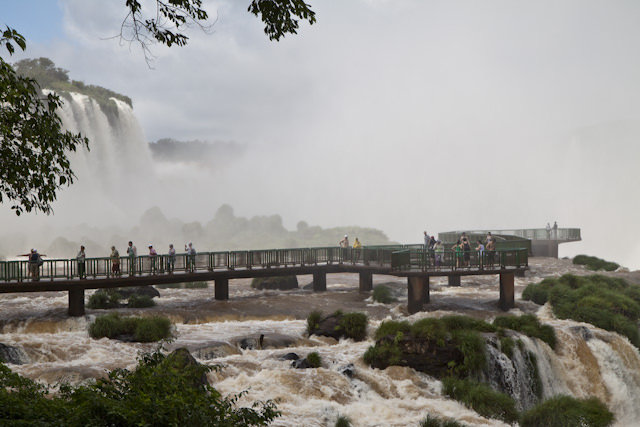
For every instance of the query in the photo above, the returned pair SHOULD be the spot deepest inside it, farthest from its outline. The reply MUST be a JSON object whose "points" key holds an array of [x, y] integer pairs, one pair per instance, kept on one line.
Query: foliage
{"points": [[140, 329], [140, 301], [162, 391], [594, 263], [313, 321], [431, 421], [566, 411], [606, 302], [382, 294], [458, 331], [314, 359], [34, 149], [343, 421], [279, 16], [538, 292], [528, 325], [482, 399], [354, 325], [104, 298]]}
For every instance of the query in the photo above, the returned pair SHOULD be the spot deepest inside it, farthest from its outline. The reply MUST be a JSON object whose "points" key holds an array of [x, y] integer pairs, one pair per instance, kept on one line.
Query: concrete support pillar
{"points": [[454, 280], [76, 302], [366, 281], [319, 281], [221, 291], [418, 293], [507, 291]]}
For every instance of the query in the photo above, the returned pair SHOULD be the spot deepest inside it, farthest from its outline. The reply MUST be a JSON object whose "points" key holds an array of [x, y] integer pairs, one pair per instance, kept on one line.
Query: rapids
{"points": [[52, 347]]}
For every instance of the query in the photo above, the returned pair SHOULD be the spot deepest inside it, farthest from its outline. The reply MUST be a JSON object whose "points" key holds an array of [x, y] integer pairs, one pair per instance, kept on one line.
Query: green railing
{"points": [[397, 258], [427, 260]]}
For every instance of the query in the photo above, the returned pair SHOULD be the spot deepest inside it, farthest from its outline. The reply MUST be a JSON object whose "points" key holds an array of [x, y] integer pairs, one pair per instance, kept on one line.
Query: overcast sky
{"points": [[402, 115]]}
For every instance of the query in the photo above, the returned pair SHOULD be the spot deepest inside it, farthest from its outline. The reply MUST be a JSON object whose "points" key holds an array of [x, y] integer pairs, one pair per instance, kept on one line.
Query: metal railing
{"points": [[395, 258]]}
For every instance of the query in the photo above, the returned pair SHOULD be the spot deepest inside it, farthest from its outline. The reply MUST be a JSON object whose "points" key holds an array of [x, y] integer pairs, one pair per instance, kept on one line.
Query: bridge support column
{"points": [[221, 290], [76, 302], [418, 293], [319, 281], [507, 291], [454, 280], [366, 281]]}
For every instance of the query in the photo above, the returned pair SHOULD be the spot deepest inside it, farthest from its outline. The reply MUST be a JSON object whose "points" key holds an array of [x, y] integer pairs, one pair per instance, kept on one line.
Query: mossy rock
{"points": [[338, 325]]}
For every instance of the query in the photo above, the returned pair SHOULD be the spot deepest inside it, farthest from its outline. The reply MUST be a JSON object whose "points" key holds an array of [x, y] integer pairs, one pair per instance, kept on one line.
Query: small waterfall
{"points": [[587, 362]]}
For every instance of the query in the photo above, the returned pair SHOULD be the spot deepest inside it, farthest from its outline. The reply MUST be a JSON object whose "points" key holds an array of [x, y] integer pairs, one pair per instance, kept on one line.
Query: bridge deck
{"points": [[403, 261]]}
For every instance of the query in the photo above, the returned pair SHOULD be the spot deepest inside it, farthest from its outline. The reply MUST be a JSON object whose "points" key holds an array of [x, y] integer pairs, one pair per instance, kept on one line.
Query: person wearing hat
{"points": [[152, 257], [344, 244]]}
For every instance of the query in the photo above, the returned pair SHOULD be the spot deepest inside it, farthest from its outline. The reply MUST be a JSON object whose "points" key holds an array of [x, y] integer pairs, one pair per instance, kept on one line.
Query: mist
{"points": [[402, 116]]}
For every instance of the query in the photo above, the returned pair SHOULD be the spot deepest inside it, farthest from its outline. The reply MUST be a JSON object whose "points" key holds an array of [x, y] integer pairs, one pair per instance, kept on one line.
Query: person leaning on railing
{"points": [[115, 261]]}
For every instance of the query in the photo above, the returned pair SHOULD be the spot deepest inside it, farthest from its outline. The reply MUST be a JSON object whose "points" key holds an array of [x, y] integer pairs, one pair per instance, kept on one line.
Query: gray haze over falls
{"points": [[398, 116], [125, 191]]}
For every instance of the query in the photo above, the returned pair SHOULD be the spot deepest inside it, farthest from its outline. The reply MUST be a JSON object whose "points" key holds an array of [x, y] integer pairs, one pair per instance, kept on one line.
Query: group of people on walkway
{"points": [[35, 260], [462, 249]]}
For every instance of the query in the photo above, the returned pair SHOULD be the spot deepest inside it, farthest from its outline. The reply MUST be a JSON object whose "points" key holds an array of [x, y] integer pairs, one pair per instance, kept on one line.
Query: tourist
{"points": [[115, 261], [548, 231], [466, 248], [438, 249], [191, 257], [480, 251], [458, 249], [427, 239], [80, 258], [344, 244], [490, 248], [35, 261], [152, 257], [555, 230], [132, 252], [489, 238], [171, 259], [357, 246]]}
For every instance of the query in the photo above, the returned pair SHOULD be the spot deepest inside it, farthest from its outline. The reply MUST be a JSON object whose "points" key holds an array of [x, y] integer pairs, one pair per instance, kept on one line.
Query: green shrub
{"points": [[158, 392], [140, 301], [392, 327], [506, 346], [104, 298], [606, 302], [382, 294], [314, 359], [136, 328], [313, 321], [566, 411], [343, 421], [482, 399], [458, 322], [594, 263], [431, 421], [354, 325], [528, 325]]}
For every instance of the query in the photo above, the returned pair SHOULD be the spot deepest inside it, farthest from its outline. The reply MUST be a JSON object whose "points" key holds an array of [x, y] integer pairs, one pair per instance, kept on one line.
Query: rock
{"points": [[276, 282], [301, 364], [251, 343], [308, 287], [181, 359], [14, 355], [348, 370], [289, 356], [140, 290], [213, 350]]}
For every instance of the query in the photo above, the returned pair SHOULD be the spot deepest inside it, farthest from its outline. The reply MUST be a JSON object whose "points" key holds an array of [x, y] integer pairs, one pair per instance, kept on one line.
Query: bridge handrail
{"points": [[396, 257]]}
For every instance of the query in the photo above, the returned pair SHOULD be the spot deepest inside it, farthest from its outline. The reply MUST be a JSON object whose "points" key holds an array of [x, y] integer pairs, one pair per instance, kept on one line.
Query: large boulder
{"points": [[14, 355], [149, 291], [282, 283]]}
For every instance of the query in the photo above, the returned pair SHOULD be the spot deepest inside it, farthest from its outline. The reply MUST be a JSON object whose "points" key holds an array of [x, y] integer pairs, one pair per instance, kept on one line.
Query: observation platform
{"points": [[411, 261]]}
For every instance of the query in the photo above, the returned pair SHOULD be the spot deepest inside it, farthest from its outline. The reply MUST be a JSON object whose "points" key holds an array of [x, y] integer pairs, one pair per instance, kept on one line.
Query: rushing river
{"points": [[53, 347]]}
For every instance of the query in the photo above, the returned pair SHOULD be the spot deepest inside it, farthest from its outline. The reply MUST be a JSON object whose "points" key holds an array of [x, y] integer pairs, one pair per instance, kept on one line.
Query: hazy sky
{"points": [[401, 115]]}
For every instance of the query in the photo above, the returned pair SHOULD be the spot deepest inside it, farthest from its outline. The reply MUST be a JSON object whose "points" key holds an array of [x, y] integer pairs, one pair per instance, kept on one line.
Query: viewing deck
{"points": [[411, 261]]}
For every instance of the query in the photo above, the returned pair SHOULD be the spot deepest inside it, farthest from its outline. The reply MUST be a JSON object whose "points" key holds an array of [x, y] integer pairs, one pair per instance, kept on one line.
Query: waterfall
{"points": [[587, 362]]}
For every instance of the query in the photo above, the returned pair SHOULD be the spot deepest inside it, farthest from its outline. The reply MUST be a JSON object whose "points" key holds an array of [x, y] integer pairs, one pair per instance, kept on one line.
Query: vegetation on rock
{"points": [[104, 299], [431, 421], [140, 329], [314, 359], [567, 411], [338, 325], [606, 302], [594, 263], [482, 399], [382, 294]]}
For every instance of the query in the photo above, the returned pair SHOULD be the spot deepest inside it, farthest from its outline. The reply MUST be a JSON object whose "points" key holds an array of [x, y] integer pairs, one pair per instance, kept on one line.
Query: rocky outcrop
{"points": [[276, 282]]}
